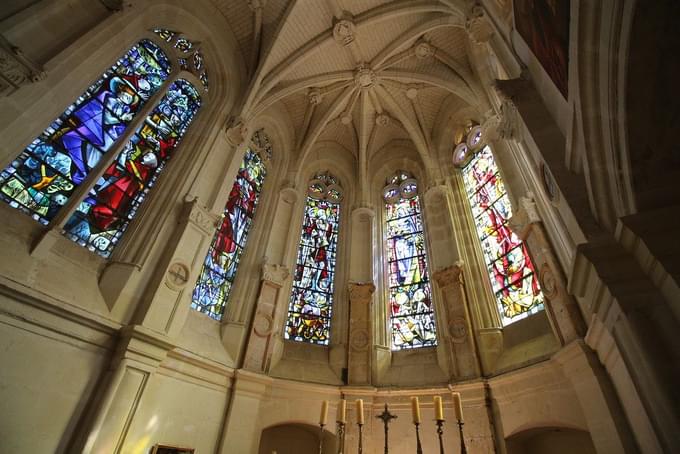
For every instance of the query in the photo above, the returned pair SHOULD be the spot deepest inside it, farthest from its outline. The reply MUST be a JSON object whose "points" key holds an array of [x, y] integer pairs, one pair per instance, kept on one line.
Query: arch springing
{"points": [[412, 317], [214, 284], [311, 299]]}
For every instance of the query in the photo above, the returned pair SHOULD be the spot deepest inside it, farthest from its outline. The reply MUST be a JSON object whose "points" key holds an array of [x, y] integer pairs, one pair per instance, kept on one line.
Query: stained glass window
{"points": [[42, 178], [510, 268], [410, 297], [104, 214], [219, 269], [311, 300]]}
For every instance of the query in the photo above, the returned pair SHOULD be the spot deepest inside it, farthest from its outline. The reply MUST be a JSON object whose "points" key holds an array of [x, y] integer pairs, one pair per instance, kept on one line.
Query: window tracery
{"points": [[311, 300], [85, 139], [412, 318], [509, 266], [219, 269]]}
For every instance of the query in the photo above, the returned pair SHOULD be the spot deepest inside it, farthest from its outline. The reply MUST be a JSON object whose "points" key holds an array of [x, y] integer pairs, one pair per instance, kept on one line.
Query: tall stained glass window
{"points": [[410, 297], [87, 137], [512, 273], [311, 299], [219, 269]]}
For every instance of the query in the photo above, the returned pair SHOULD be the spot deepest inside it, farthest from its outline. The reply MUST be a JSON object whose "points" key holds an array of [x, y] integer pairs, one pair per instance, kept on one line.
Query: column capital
{"points": [[236, 133], [450, 275], [199, 215], [274, 274], [361, 291], [525, 217]]}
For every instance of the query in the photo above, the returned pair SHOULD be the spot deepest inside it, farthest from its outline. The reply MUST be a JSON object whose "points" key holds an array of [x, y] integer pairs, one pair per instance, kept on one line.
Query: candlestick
{"points": [[360, 411], [324, 413], [415, 411], [438, 409], [458, 406], [386, 416], [321, 438], [341, 437], [440, 433], [463, 449], [342, 411], [361, 443], [419, 448]]}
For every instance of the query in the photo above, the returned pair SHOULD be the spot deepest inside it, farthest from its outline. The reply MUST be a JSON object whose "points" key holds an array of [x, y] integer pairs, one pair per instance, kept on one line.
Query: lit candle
{"points": [[360, 411], [458, 406], [324, 413], [342, 410], [415, 410], [438, 410]]}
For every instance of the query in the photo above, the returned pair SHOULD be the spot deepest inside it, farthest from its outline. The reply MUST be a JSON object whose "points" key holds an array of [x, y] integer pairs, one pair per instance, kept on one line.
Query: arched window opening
{"points": [[212, 290], [311, 299], [412, 317], [85, 145], [511, 271]]}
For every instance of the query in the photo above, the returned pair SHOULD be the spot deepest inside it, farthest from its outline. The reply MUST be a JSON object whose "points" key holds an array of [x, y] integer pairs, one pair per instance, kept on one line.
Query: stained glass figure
{"points": [[42, 178], [219, 268], [104, 214], [311, 300], [410, 297], [510, 268]]}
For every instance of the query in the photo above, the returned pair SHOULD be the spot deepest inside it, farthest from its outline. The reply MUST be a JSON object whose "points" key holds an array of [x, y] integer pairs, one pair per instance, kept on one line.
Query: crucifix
{"points": [[386, 417]]}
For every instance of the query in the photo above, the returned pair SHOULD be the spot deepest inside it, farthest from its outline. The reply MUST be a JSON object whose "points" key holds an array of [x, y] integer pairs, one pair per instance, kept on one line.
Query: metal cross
{"points": [[386, 417]]}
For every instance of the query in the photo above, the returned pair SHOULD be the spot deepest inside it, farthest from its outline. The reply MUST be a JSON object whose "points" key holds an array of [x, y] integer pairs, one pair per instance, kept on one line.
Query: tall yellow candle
{"points": [[458, 406], [342, 411], [360, 411], [415, 410], [438, 409], [324, 413]]}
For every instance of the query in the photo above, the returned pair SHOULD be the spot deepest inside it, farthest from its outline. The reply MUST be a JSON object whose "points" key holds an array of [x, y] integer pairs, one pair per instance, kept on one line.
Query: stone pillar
{"points": [[458, 333], [360, 333], [562, 309], [603, 413], [265, 324], [104, 426]]}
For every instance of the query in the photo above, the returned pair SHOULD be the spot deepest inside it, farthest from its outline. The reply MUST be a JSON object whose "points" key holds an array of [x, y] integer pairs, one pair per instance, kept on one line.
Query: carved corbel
{"points": [[525, 217], [16, 70], [274, 274], [200, 216], [344, 30], [504, 125], [237, 133], [479, 27]]}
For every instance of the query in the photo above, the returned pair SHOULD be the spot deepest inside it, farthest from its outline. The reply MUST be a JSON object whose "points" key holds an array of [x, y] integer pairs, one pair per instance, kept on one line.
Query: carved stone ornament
{"points": [[478, 26], [344, 31], [16, 69], [364, 77], [275, 274], [237, 133], [359, 340], [263, 325], [424, 50], [200, 216], [177, 275], [450, 275], [314, 96], [549, 284], [382, 120], [458, 330], [360, 291], [525, 216]]}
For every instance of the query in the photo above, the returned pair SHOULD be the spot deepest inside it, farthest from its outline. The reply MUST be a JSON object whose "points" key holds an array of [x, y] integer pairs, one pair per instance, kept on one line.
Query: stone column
{"points": [[360, 333], [561, 307], [260, 344], [458, 333]]}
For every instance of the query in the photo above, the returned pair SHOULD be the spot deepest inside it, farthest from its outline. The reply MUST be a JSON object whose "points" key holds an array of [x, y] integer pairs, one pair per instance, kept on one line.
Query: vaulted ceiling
{"points": [[359, 73]]}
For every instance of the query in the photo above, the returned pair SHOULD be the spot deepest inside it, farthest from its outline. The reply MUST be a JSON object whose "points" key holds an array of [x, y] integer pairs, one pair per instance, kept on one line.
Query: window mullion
{"points": [[79, 193]]}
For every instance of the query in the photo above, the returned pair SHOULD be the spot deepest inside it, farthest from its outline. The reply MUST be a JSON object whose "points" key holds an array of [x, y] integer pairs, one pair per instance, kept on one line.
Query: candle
{"points": [[415, 410], [438, 410], [458, 406], [324, 413], [342, 409], [360, 411]]}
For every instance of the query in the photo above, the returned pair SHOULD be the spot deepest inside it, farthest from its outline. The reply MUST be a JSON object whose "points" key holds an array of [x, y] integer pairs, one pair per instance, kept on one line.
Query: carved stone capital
{"points": [[364, 76], [361, 291], [525, 216], [314, 95], [504, 125], [452, 275], [344, 30], [423, 50], [200, 216], [275, 274], [16, 69], [382, 120], [478, 25], [237, 133]]}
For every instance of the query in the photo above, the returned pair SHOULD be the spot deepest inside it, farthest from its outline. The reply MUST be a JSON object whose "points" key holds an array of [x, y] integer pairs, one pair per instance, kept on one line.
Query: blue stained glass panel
{"points": [[411, 311], [219, 269], [102, 217], [311, 300], [42, 178]]}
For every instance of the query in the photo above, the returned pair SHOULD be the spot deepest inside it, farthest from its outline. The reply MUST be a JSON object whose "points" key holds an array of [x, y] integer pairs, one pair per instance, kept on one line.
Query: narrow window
{"points": [[410, 297], [219, 269], [311, 300]]}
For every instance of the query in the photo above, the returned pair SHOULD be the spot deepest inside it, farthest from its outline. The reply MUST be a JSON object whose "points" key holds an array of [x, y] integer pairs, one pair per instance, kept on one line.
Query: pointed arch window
{"points": [[412, 317], [510, 268], [212, 290], [91, 144], [311, 299]]}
